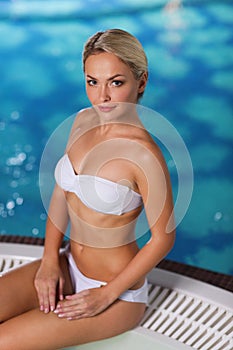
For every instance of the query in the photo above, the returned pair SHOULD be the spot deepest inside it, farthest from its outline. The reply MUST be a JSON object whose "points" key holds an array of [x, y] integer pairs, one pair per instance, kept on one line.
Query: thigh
{"points": [[17, 291], [35, 329]]}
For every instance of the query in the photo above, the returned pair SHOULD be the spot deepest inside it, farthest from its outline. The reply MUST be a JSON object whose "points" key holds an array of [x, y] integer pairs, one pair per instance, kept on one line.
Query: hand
{"points": [[48, 277], [87, 303]]}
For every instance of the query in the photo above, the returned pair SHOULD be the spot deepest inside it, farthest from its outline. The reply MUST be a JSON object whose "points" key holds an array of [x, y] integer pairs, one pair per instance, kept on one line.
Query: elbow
{"points": [[170, 240], [164, 242]]}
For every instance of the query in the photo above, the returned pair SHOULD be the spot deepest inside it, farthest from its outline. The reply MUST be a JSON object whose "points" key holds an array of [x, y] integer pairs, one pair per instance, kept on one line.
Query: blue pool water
{"points": [[189, 46]]}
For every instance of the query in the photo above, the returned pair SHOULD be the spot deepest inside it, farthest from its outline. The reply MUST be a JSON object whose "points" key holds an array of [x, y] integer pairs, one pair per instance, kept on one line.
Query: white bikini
{"points": [[103, 196], [81, 282], [95, 192]]}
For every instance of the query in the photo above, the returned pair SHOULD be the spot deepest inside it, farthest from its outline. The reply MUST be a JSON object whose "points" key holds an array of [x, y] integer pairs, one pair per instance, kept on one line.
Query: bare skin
{"points": [[24, 325], [131, 158]]}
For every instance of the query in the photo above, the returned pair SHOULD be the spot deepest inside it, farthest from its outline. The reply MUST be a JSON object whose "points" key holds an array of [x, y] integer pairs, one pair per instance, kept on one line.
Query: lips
{"points": [[106, 108]]}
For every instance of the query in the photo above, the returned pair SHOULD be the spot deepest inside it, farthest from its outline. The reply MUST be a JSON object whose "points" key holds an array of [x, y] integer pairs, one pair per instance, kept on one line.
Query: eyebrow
{"points": [[111, 78]]}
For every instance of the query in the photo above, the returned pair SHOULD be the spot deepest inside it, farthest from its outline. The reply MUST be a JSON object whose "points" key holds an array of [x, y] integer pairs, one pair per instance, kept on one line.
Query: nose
{"points": [[104, 94]]}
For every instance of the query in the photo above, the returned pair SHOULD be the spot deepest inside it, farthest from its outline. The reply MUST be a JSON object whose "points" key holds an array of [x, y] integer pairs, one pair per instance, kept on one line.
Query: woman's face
{"points": [[110, 80]]}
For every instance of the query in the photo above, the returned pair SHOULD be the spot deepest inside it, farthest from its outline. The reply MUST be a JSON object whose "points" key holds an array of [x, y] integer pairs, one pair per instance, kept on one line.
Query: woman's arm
{"points": [[49, 274], [56, 224], [154, 185]]}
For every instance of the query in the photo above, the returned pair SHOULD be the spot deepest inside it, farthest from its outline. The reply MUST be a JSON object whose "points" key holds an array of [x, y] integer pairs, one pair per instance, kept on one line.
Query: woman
{"points": [[111, 168]]}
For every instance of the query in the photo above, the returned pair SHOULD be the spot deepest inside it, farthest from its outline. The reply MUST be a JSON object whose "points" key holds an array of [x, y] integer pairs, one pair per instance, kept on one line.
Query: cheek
{"points": [[127, 95], [90, 93]]}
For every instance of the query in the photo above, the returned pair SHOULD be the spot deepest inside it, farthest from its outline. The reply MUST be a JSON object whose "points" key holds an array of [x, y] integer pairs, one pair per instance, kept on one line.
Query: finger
{"points": [[66, 306], [78, 297], [73, 318], [48, 295], [46, 300], [61, 288], [44, 305], [70, 310], [41, 300], [51, 297], [72, 314], [40, 295]]}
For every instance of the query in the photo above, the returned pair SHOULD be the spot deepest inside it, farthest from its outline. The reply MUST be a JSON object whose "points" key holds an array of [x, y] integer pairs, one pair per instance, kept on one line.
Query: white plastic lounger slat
{"points": [[199, 312], [167, 324], [224, 320], [150, 286], [168, 302], [1, 263], [183, 306], [206, 342], [174, 327], [176, 303], [160, 298], [17, 262], [189, 333], [222, 345], [209, 341], [146, 319], [153, 294], [207, 315], [216, 317], [163, 317], [196, 336], [182, 330], [7, 264], [11, 263], [152, 319], [209, 345], [227, 328], [229, 346], [13, 255], [192, 309]]}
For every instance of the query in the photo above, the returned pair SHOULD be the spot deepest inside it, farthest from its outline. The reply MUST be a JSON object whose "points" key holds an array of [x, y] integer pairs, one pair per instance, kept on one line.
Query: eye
{"points": [[117, 83], [92, 82]]}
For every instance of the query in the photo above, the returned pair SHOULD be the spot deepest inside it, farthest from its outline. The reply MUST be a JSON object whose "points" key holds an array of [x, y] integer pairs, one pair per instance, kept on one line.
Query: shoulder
{"points": [[151, 172], [140, 146], [148, 149], [83, 116], [83, 122], [151, 167]]}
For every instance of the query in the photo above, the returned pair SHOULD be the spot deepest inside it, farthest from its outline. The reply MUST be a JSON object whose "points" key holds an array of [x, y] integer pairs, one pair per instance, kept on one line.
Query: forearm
{"points": [[56, 225], [145, 260], [53, 241], [49, 278]]}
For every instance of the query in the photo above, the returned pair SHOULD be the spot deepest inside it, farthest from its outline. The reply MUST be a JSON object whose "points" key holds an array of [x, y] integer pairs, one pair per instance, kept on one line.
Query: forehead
{"points": [[105, 63]]}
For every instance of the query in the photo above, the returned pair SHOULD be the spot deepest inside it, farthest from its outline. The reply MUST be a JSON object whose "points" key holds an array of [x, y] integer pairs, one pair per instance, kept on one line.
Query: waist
{"points": [[91, 234], [102, 263]]}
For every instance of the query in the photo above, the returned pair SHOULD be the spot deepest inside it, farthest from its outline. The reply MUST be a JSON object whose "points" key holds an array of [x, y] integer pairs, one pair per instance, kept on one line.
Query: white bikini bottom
{"points": [[81, 282]]}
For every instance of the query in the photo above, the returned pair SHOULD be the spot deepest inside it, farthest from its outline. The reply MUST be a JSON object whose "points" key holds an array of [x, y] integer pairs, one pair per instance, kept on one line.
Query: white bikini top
{"points": [[95, 192]]}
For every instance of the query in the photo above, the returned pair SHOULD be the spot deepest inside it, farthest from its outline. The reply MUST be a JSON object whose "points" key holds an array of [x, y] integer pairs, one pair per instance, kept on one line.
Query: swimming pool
{"points": [[189, 46]]}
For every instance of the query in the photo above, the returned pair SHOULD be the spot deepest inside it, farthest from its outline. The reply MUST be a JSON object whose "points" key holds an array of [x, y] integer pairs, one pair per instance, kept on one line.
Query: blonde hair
{"points": [[122, 44]]}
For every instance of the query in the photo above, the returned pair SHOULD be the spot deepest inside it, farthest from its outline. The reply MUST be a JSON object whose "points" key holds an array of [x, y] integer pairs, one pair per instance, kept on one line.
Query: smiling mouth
{"points": [[107, 108]]}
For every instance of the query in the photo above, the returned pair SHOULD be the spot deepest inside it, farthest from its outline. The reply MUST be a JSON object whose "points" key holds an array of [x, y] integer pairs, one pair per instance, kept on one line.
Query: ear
{"points": [[143, 82]]}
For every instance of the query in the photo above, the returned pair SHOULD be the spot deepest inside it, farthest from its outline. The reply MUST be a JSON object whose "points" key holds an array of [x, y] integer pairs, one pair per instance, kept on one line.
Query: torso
{"points": [[103, 244]]}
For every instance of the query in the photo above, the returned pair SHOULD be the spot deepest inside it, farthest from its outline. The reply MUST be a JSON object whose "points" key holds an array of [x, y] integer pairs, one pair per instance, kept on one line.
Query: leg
{"points": [[36, 330], [17, 291]]}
